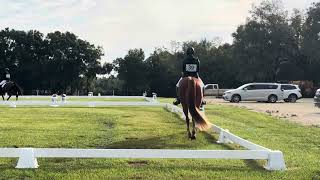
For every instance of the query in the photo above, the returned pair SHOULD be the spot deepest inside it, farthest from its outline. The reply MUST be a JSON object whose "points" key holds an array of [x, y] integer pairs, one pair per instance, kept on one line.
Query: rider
{"points": [[5, 77], [190, 67]]}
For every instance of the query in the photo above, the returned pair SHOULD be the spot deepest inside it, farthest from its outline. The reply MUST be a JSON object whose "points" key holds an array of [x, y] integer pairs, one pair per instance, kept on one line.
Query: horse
{"points": [[191, 97], [11, 88]]}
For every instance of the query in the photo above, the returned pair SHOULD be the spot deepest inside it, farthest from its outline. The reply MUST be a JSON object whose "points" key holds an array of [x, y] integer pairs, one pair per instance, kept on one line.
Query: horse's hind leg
{"points": [[2, 96], [193, 137], [185, 111]]}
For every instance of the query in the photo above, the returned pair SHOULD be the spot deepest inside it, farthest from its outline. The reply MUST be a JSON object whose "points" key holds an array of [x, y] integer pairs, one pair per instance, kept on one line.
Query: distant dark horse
{"points": [[11, 88], [191, 97]]}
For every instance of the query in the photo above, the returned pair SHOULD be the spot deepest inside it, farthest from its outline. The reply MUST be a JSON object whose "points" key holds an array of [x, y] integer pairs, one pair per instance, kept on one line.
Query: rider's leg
{"points": [[202, 88], [2, 82], [177, 101]]}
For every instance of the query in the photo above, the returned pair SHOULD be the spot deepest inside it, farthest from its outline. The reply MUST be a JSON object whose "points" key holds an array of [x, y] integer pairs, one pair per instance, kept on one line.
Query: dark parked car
{"points": [[317, 99]]}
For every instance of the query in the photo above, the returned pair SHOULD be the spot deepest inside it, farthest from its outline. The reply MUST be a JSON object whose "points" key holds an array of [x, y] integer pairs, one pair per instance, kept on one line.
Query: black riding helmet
{"points": [[6, 70], [190, 51]]}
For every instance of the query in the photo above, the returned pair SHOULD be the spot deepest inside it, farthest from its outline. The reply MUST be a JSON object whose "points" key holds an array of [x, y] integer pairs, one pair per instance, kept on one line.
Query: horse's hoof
{"points": [[193, 138]]}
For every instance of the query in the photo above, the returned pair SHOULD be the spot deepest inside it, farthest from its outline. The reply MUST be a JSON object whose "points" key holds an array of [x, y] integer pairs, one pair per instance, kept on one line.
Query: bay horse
{"points": [[11, 88], [191, 97]]}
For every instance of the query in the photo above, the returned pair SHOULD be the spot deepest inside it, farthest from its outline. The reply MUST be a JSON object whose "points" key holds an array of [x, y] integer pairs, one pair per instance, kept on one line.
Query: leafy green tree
{"points": [[109, 86], [311, 42], [70, 57], [133, 71], [163, 72], [264, 42]]}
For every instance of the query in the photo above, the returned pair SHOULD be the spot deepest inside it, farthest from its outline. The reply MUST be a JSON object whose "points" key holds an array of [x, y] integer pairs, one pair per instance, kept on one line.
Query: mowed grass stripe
{"points": [[110, 127], [159, 128]]}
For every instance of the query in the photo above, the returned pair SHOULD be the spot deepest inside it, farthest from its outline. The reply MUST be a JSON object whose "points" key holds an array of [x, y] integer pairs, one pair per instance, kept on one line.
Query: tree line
{"points": [[55, 62], [271, 46]]}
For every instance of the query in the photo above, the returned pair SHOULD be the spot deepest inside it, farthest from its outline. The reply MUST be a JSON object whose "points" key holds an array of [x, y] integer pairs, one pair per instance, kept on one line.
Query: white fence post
{"points": [[27, 159], [222, 138], [275, 161]]}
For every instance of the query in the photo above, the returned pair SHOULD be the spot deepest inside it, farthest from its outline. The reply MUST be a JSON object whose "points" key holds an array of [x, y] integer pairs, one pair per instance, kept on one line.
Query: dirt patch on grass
{"points": [[109, 125], [303, 111], [138, 163]]}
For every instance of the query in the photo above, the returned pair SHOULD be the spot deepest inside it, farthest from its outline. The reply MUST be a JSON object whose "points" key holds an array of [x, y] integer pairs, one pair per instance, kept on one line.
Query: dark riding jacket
{"points": [[191, 67]]}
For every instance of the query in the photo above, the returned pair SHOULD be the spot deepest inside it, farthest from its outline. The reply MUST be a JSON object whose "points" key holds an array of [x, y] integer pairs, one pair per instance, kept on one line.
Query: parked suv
{"points": [[317, 98], [291, 92], [268, 92]]}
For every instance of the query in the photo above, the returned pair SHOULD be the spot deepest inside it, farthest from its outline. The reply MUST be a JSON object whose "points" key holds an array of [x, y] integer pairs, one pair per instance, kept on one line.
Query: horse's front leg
{"points": [[2, 97], [9, 97], [193, 137]]}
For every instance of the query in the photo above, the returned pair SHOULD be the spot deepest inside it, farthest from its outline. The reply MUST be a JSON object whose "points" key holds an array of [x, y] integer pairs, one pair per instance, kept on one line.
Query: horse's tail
{"points": [[200, 119]]}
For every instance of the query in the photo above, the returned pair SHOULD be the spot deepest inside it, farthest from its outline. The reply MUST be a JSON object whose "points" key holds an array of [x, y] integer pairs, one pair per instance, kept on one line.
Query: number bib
{"points": [[191, 67], [8, 76]]}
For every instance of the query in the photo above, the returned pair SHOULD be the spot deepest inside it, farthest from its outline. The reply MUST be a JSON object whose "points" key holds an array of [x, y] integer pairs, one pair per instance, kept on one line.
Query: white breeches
{"points": [[3, 82]]}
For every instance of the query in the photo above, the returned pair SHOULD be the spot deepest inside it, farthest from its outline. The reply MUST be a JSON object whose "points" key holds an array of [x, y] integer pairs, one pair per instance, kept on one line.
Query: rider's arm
{"points": [[198, 63], [183, 67]]}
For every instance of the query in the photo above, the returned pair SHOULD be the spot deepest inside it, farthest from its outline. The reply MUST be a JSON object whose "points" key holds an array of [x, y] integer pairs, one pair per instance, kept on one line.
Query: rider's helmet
{"points": [[190, 51], [6, 70]]}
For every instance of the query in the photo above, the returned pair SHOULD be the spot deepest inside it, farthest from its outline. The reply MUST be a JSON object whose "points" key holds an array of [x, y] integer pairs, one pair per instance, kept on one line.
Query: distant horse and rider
{"points": [[190, 94], [9, 87]]}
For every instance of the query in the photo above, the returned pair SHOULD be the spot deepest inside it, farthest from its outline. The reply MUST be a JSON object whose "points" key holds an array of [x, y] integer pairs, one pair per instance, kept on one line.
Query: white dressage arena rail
{"points": [[28, 156], [54, 102]]}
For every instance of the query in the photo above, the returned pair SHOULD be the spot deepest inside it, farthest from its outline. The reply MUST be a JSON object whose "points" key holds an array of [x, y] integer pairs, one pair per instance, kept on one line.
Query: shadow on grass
{"points": [[251, 163], [150, 143]]}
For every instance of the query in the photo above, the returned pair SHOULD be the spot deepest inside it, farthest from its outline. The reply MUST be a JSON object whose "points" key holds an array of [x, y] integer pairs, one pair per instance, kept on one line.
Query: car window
{"points": [[265, 86], [260, 86], [209, 87], [288, 87], [273, 86], [251, 87]]}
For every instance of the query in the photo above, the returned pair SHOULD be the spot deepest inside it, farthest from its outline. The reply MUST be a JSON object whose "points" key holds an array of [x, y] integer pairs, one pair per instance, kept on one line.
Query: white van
{"points": [[291, 92], [268, 92]]}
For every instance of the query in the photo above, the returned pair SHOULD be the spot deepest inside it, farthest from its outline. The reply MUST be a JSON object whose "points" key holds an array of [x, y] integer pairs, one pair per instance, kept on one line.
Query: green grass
{"points": [[152, 127], [166, 100]]}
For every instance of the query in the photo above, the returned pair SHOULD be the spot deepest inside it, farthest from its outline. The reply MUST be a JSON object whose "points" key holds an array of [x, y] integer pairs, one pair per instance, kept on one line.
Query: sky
{"points": [[120, 25]]}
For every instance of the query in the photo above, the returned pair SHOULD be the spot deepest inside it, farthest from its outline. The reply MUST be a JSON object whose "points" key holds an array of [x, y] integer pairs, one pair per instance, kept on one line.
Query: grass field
{"points": [[71, 98], [152, 127]]}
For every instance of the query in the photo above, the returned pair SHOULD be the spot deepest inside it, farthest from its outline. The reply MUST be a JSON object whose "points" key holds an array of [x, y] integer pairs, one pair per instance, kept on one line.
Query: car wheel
{"points": [[236, 98], [272, 99], [293, 98]]}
